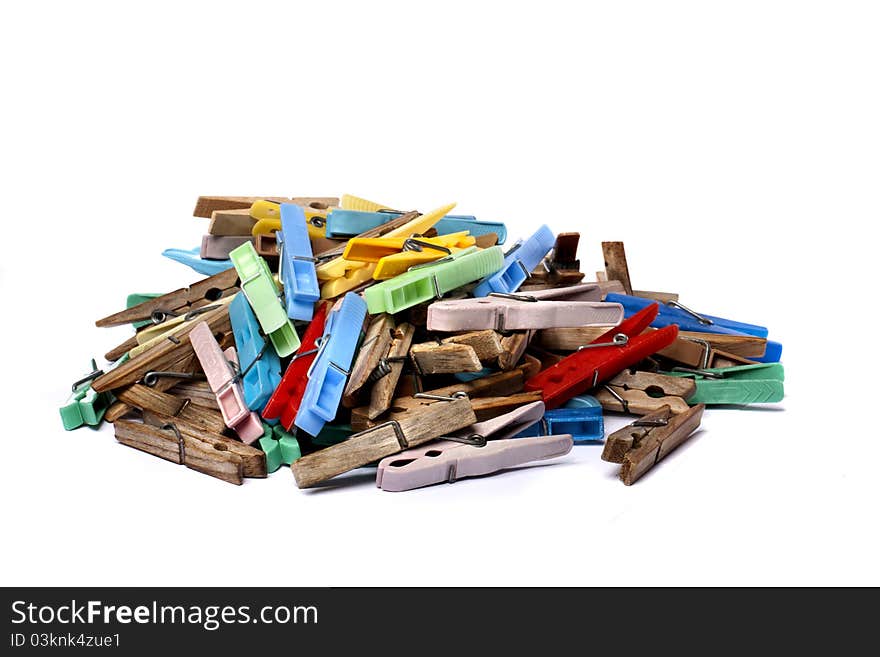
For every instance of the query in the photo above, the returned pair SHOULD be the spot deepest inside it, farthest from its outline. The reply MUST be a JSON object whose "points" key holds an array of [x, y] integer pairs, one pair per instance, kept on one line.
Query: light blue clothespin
{"points": [[581, 417], [348, 223], [518, 264], [455, 223], [192, 259], [330, 369], [296, 266], [256, 355]]}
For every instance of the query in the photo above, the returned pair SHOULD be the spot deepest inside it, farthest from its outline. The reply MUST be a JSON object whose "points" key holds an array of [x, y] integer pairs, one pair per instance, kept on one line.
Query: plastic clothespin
{"points": [[341, 275], [85, 406], [447, 461], [395, 255], [217, 247], [192, 259], [454, 223], [349, 202], [518, 264], [673, 312], [284, 402], [333, 434], [581, 417], [268, 218], [330, 369], [592, 364], [507, 312], [639, 446], [431, 281], [348, 223], [508, 425], [262, 293], [280, 447], [745, 384], [260, 365], [296, 267], [218, 367]]}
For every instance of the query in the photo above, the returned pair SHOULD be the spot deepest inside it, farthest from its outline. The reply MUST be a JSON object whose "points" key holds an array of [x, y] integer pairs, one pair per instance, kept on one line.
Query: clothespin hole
{"points": [[220, 447], [213, 294], [655, 391], [433, 453], [397, 409], [400, 463], [317, 205]]}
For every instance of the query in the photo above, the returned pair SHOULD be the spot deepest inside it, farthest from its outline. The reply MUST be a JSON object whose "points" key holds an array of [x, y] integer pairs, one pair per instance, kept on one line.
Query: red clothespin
{"points": [[603, 358], [285, 401]]}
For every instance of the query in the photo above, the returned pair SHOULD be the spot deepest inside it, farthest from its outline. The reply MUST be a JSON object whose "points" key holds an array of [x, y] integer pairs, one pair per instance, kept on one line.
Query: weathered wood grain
{"points": [[433, 358], [615, 264], [417, 426], [373, 348], [383, 390]]}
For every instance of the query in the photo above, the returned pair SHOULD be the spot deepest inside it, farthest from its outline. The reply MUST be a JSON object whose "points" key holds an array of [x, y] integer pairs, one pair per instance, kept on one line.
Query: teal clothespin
{"points": [[425, 282], [280, 446], [192, 258], [262, 293], [85, 406], [744, 384], [332, 434]]}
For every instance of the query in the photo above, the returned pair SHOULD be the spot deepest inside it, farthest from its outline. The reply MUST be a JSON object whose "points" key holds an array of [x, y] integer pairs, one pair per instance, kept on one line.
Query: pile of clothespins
{"points": [[333, 334]]}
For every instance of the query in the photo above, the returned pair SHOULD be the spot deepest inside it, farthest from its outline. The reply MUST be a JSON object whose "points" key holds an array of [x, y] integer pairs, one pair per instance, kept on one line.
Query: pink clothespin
{"points": [[449, 461], [503, 426], [224, 384], [503, 312]]}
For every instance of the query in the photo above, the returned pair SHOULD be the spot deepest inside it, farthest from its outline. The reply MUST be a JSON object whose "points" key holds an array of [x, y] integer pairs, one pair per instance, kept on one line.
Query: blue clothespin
{"points": [[296, 266], [455, 223], [348, 223], [581, 417], [464, 377], [518, 264], [674, 313], [772, 354], [256, 355], [330, 369], [192, 259]]}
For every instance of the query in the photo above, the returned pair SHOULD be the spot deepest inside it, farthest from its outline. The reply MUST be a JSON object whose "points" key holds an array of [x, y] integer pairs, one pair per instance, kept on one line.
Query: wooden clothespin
{"points": [[641, 393], [639, 446], [616, 269], [177, 303], [407, 429], [161, 358], [387, 372], [564, 254], [150, 400], [374, 347], [185, 444]]}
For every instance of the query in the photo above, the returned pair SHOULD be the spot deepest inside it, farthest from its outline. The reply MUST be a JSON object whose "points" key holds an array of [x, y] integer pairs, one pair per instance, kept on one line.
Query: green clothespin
{"points": [[136, 298], [85, 406], [262, 292], [429, 281], [332, 434], [281, 447], [761, 383]]}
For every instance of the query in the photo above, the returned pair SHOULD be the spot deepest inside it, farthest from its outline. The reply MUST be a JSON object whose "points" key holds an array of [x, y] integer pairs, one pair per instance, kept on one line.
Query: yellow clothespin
{"points": [[341, 275], [349, 202], [268, 216], [394, 255]]}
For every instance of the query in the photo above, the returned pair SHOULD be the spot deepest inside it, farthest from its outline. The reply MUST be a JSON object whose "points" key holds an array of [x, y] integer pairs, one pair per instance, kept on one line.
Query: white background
{"points": [[734, 147]]}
